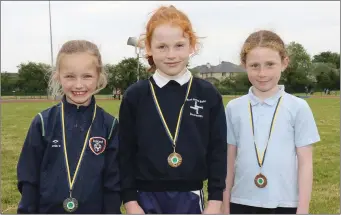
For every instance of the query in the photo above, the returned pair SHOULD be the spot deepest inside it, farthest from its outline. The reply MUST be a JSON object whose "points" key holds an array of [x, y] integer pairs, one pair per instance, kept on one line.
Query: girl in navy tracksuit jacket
{"points": [[68, 162]]}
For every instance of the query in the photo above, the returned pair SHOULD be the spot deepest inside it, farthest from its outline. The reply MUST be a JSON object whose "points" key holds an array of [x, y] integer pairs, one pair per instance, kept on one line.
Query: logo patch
{"points": [[197, 107], [97, 145]]}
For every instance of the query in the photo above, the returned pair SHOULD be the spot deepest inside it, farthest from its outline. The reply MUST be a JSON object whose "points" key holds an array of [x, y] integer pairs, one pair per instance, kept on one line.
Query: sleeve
{"points": [[28, 168], [231, 138], [306, 132], [112, 200], [217, 152], [127, 147]]}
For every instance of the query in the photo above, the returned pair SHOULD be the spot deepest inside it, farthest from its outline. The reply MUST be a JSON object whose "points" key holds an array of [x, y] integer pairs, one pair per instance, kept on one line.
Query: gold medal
{"points": [[260, 180], [174, 159], [71, 204]]}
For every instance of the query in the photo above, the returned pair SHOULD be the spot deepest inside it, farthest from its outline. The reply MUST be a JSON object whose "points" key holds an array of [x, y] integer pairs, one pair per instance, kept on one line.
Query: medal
{"points": [[260, 180], [174, 159], [71, 204]]}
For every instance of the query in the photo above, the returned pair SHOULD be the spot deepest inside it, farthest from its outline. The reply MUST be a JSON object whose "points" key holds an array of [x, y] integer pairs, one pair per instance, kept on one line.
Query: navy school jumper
{"points": [[145, 146]]}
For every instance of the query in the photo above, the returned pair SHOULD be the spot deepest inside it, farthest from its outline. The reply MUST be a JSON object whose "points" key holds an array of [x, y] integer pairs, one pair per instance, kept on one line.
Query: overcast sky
{"points": [[25, 34]]}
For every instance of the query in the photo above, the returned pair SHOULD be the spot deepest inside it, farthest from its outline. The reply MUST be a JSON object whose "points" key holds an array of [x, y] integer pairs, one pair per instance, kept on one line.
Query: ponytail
{"points": [[151, 64]]}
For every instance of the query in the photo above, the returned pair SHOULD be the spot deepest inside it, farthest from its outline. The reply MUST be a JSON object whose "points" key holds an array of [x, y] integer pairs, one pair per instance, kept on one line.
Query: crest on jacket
{"points": [[97, 145]]}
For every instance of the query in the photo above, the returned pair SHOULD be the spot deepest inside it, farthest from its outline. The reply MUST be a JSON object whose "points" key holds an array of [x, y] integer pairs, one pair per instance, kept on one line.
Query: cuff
{"points": [[112, 203], [129, 195], [216, 195]]}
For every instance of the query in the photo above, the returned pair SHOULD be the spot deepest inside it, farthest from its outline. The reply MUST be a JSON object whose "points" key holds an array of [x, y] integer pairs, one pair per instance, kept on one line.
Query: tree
{"points": [[124, 73], [298, 74], [328, 57], [194, 72], [33, 77], [8, 83]]}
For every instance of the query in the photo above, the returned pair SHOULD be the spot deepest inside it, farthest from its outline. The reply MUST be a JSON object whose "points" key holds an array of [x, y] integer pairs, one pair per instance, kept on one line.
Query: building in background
{"points": [[219, 72]]}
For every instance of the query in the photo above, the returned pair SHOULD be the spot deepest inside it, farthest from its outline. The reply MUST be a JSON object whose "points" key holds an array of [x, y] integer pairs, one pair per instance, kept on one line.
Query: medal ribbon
{"points": [[72, 181], [260, 159], [173, 139]]}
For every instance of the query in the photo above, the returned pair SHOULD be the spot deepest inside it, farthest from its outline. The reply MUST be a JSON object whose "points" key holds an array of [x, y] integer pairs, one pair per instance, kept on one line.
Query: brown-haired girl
{"points": [[270, 135]]}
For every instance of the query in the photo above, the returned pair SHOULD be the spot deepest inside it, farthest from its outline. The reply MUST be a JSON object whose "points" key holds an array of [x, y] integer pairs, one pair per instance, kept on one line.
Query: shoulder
{"points": [[44, 117], [295, 104], [237, 103], [108, 119], [205, 86], [210, 92], [136, 89]]}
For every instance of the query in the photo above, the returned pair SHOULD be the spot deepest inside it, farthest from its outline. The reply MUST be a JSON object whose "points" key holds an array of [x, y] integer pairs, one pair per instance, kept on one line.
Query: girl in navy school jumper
{"points": [[69, 159], [172, 128]]}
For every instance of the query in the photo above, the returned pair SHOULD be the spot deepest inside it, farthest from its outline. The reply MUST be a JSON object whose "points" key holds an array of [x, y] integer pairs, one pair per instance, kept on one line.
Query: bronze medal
{"points": [[260, 180], [174, 159]]}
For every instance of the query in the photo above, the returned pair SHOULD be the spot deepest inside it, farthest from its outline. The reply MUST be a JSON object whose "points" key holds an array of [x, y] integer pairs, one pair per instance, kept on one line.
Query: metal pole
{"points": [[138, 66], [51, 35]]}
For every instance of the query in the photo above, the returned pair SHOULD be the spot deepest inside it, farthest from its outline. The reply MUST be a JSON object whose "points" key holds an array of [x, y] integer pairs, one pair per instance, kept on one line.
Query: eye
{"points": [[270, 64], [88, 76], [254, 65], [180, 45], [161, 47], [69, 76]]}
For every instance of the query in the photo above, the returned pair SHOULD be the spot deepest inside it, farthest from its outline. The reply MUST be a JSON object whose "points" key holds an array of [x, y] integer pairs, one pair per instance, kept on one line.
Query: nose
{"points": [[261, 72], [79, 84], [171, 53]]}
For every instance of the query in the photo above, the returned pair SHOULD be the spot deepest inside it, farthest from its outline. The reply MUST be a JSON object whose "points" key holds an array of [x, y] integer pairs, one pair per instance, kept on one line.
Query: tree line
{"points": [[304, 74]]}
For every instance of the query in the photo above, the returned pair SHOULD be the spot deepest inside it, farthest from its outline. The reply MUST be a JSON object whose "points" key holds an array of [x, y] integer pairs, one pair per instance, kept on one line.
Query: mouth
{"points": [[78, 93], [171, 64]]}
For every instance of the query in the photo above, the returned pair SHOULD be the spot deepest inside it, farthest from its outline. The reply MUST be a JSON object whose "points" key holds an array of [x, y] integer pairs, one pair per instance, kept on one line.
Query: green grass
{"points": [[16, 118]]}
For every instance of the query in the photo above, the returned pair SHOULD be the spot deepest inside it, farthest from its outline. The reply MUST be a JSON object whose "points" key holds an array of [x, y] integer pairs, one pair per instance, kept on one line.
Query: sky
{"points": [[223, 27]]}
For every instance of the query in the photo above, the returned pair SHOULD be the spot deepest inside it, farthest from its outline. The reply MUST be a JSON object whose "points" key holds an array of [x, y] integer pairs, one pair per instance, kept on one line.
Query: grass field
{"points": [[16, 118]]}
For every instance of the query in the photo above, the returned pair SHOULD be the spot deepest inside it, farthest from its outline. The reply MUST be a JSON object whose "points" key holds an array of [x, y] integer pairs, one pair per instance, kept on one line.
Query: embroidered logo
{"points": [[197, 107], [55, 144], [97, 145]]}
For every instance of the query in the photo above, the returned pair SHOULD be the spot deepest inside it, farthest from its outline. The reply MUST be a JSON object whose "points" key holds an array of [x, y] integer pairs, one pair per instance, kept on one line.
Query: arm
{"points": [[28, 168], [217, 156], [111, 199], [305, 178], [306, 134], [231, 157], [127, 160]]}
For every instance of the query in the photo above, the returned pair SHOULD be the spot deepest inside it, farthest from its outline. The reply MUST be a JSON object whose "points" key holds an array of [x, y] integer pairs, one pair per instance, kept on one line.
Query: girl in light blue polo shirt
{"points": [[270, 135]]}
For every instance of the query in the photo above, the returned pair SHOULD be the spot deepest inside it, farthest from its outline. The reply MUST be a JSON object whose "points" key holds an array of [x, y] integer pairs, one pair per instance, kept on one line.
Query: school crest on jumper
{"points": [[197, 107], [97, 145]]}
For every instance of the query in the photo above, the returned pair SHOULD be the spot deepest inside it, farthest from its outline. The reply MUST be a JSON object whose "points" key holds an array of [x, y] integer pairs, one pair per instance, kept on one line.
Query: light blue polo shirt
{"points": [[294, 126]]}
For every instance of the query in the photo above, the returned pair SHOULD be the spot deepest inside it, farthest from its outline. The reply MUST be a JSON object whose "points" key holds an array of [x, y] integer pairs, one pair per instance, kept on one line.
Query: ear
{"points": [[243, 65], [285, 63]]}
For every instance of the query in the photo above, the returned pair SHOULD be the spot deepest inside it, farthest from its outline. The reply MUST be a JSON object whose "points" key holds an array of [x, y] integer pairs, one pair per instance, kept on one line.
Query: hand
{"points": [[226, 210], [213, 207], [301, 210], [133, 208]]}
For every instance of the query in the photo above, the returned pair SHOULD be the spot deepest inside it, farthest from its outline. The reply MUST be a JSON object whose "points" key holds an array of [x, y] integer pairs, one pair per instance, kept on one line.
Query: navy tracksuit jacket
{"points": [[42, 174]]}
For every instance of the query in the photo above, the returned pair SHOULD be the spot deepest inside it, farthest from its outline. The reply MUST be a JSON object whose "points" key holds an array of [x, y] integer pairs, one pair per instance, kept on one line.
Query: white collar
{"points": [[161, 81]]}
